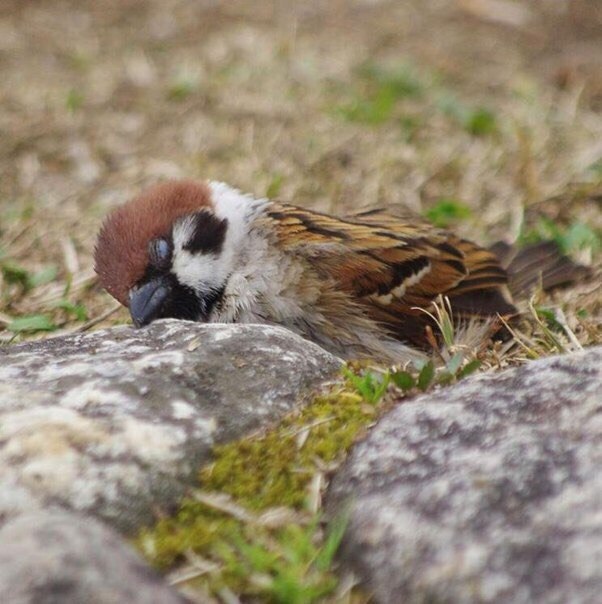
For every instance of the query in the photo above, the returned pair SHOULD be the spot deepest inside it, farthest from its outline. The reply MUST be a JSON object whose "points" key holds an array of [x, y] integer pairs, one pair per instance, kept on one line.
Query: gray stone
{"points": [[58, 557], [116, 423], [487, 491]]}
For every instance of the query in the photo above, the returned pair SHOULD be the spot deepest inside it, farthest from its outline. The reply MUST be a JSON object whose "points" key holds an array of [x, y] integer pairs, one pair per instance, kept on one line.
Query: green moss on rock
{"points": [[287, 563], [228, 523], [275, 468]]}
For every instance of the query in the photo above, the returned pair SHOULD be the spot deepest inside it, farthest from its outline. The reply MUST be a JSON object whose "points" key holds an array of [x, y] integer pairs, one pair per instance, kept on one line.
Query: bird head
{"points": [[169, 251]]}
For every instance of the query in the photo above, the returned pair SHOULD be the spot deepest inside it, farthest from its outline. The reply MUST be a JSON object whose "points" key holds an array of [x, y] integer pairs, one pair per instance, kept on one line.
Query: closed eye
{"points": [[160, 252]]}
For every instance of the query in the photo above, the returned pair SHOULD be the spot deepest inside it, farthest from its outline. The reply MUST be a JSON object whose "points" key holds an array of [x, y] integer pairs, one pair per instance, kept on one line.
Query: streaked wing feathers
{"points": [[392, 263]]}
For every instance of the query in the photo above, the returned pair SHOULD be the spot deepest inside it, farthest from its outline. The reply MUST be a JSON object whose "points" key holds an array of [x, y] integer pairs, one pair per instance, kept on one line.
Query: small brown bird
{"points": [[355, 285]]}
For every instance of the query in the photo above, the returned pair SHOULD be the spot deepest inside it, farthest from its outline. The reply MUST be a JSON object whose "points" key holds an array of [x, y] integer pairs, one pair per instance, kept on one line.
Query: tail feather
{"points": [[541, 264]]}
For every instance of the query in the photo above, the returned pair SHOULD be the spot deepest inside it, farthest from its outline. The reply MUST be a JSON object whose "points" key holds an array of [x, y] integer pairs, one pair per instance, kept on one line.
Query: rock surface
{"points": [[117, 422], [489, 491], [57, 557]]}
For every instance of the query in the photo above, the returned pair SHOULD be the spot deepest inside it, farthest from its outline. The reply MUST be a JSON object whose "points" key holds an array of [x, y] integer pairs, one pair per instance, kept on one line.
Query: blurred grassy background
{"points": [[484, 115]]}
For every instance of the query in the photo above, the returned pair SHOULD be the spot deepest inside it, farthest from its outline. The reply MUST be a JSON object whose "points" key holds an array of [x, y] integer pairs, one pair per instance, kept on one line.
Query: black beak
{"points": [[147, 302]]}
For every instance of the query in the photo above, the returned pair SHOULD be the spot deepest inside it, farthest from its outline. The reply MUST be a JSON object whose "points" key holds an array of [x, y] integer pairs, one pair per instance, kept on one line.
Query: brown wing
{"points": [[393, 264]]}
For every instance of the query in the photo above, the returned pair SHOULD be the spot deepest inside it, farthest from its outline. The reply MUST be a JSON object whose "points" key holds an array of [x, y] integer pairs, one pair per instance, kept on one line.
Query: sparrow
{"points": [[356, 285]]}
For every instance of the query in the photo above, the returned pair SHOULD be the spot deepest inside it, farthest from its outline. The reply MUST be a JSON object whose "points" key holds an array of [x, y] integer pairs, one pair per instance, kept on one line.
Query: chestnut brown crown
{"points": [[121, 254]]}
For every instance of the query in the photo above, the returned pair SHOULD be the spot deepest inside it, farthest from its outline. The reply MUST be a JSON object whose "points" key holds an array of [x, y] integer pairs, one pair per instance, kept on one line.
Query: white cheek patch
{"points": [[199, 271], [206, 271], [183, 230]]}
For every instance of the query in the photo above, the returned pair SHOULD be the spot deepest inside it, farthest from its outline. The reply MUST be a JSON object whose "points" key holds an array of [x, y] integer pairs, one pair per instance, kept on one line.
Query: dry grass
{"points": [[485, 116], [467, 105]]}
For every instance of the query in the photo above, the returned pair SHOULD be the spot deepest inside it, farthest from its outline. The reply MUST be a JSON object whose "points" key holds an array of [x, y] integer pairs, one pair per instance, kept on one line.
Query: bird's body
{"points": [[356, 285]]}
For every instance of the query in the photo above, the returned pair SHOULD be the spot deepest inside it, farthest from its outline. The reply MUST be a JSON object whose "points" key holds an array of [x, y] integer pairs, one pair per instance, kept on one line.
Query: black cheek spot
{"points": [[209, 233]]}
